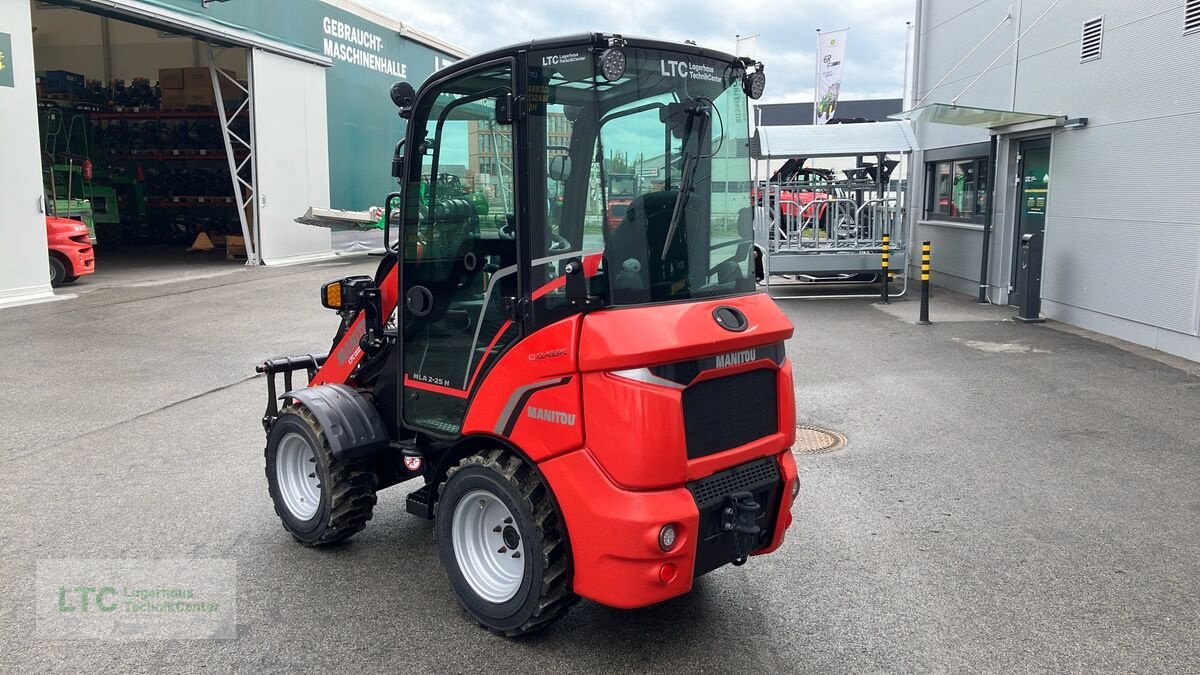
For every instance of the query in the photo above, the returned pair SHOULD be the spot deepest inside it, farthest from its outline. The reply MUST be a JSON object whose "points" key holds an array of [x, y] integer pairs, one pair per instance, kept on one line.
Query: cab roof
{"points": [[577, 40]]}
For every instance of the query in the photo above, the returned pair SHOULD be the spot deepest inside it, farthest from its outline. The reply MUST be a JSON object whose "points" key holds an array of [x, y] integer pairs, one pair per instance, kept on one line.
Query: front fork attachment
{"points": [[739, 517], [309, 362]]}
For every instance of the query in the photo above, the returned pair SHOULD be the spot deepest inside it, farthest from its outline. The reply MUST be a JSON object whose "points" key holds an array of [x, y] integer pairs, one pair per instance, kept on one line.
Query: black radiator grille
{"points": [[730, 411]]}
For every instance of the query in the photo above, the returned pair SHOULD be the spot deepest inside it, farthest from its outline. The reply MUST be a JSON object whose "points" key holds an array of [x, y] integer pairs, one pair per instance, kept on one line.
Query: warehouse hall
{"points": [[152, 141]]}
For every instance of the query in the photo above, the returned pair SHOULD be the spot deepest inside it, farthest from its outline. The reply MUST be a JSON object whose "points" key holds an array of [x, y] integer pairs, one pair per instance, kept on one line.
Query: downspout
{"points": [[918, 26], [987, 221], [991, 187], [917, 188]]}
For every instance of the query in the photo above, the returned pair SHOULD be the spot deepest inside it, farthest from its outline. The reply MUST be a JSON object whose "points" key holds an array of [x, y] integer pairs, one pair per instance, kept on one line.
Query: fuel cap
{"points": [[730, 318]]}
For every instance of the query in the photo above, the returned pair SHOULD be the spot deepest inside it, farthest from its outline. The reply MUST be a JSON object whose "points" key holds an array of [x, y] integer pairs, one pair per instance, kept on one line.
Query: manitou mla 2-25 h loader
{"points": [[594, 411]]}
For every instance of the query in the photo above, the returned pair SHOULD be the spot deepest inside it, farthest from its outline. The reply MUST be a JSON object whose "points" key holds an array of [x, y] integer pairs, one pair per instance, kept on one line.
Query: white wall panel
{"points": [[1132, 269], [24, 270]]}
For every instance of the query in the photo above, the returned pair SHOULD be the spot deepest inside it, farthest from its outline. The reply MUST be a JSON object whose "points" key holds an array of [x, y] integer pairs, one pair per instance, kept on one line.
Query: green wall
{"points": [[363, 124]]}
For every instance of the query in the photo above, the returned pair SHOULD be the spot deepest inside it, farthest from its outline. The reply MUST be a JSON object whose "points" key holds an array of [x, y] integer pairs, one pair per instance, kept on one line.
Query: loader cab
{"points": [[624, 157]]}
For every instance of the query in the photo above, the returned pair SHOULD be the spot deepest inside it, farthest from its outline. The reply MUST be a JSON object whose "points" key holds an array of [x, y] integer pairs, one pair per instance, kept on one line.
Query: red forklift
{"points": [[622, 188], [591, 412]]}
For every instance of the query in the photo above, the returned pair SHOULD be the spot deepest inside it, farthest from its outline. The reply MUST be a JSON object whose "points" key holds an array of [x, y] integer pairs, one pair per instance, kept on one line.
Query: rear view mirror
{"points": [[559, 168], [505, 109], [403, 95], [398, 161]]}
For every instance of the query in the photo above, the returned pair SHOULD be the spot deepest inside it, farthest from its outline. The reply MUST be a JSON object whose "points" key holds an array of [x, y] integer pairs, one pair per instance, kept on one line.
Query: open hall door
{"points": [[291, 148]]}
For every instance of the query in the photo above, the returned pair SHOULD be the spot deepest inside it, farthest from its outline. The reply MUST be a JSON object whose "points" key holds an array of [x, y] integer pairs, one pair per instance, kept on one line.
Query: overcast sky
{"points": [[875, 47]]}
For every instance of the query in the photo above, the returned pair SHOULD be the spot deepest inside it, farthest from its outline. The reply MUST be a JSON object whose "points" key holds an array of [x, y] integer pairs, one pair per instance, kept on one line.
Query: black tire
{"points": [[58, 272], [545, 592], [70, 280], [347, 489]]}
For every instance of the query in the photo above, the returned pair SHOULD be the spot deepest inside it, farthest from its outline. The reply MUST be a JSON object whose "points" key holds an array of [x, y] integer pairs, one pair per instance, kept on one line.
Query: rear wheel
{"points": [[319, 498], [502, 545]]}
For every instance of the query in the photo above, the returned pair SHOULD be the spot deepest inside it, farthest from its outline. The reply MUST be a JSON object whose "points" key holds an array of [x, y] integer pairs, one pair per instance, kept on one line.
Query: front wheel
{"points": [[58, 272], [319, 498], [502, 545]]}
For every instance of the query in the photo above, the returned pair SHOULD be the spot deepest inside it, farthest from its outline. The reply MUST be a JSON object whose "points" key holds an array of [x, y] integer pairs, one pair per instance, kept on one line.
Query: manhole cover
{"points": [[813, 440]]}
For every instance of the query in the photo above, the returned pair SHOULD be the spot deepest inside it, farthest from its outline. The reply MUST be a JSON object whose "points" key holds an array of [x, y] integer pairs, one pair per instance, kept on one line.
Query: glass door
{"points": [[459, 245], [1033, 167]]}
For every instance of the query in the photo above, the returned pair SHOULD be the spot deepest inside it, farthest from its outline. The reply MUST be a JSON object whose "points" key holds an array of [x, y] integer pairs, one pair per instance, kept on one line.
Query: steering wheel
{"points": [[506, 227], [558, 243]]}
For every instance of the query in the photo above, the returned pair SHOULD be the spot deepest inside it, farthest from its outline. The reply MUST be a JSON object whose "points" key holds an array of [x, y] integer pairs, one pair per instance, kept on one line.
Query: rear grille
{"points": [[730, 411], [716, 487]]}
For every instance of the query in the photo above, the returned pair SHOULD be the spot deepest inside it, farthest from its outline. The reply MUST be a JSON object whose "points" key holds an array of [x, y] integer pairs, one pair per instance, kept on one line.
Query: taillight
{"points": [[87, 169]]}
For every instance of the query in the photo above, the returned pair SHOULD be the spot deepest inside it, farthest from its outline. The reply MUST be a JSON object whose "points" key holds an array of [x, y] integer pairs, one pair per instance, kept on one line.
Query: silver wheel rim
{"points": [[296, 474], [484, 533]]}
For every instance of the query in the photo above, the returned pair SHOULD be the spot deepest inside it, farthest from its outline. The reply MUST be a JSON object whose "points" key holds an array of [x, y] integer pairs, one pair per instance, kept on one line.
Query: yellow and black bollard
{"points": [[925, 249], [884, 273]]}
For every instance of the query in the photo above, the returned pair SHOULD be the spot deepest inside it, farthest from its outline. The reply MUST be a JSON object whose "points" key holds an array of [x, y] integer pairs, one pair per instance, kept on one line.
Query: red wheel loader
{"points": [[591, 411]]}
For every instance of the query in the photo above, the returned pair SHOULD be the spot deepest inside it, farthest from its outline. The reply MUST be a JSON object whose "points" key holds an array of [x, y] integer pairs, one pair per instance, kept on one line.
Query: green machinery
{"points": [[81, 189]]}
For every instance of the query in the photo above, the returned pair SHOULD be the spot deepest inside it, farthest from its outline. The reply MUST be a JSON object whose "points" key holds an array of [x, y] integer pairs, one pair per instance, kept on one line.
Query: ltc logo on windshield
{"points": [[685, 70], [560, 59]]}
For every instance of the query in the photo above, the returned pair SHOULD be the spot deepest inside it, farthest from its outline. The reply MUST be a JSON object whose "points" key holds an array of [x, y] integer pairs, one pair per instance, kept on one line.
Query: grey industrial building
{"points": [[1094, 109]]}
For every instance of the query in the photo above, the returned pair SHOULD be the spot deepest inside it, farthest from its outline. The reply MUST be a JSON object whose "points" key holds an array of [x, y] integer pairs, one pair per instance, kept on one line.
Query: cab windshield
{"points": [[648, 175]]}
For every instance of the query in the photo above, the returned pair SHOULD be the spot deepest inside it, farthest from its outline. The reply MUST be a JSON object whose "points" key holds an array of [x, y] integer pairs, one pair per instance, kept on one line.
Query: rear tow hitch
{"points": [[739, 517]]}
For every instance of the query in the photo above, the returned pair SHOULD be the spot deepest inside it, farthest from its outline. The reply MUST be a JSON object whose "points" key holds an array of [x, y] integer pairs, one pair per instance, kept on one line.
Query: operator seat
{"points": [[636, 244]]}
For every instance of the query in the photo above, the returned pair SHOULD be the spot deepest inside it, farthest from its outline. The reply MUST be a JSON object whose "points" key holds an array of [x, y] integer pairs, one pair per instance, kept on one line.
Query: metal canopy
{"points": [[833, 140], [968, 116]]}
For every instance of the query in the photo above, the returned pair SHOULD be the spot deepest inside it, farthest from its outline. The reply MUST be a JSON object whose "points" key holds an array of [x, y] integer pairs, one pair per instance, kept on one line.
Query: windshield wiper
{"points": [[690, 159]]}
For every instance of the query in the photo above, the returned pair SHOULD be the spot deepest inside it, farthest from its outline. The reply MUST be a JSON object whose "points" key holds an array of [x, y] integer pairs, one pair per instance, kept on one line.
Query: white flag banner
{"points": [[831, 50]]}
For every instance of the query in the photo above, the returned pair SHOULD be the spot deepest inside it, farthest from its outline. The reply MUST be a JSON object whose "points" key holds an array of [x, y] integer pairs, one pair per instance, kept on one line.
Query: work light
{"points": [[754, 84], [612, 64]]}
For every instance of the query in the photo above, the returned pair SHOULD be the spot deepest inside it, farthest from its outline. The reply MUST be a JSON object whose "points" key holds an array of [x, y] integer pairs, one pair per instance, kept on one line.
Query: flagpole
{"points": [[816, 74]]}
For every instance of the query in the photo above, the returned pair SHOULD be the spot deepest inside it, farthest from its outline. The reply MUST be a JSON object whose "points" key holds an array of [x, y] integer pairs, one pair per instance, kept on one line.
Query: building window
{"points": [[957, 189], [1191, 17]]}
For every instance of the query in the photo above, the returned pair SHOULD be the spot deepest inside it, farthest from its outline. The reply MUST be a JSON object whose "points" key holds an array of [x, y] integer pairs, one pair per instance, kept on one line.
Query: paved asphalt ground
{"points": [[1012, 499]]}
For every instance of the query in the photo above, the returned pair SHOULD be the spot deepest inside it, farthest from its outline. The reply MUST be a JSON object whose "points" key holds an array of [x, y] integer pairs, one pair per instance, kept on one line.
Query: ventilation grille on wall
{"points": [[1093, 37], [1191, 17]]}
